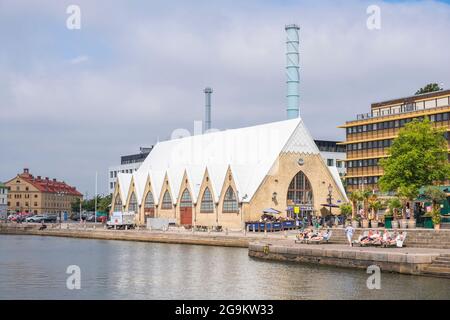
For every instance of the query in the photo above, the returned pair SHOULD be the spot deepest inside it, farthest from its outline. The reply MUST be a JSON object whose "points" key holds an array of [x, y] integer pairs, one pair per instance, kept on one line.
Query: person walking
{"points": [[349, 233]]}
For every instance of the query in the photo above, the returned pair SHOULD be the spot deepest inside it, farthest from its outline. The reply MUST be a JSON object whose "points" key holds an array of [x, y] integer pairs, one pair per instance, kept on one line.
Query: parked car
{"points": [[19, 217], [51, 218], [42, 218], [36, 218]]}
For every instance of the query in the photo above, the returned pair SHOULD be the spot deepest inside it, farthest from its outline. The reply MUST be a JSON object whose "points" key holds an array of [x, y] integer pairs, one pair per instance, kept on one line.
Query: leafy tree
{"points": [[431, 87], [355, 197], [374, 205], [75, 205], [104, 203], [394, 205], [435, 195], [366, 194], [417, 157], [89, 204], [346, 209], [407, 194]]}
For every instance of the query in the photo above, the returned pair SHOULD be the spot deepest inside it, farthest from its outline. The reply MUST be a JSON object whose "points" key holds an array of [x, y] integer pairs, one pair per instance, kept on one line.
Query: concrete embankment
{"points": [[199, 238], [414, 261]]}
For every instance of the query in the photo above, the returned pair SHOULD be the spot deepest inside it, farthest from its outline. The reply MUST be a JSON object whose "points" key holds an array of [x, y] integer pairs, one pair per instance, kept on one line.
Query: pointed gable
{"points": [[249, 152]]}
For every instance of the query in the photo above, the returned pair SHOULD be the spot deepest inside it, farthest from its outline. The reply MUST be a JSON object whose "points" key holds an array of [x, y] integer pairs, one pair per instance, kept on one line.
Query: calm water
{"points": [[35, 268]]}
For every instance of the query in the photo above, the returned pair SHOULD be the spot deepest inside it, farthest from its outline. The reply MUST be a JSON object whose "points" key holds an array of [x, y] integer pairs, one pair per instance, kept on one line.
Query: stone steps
{"points": [[437, 274], [440, 267]]}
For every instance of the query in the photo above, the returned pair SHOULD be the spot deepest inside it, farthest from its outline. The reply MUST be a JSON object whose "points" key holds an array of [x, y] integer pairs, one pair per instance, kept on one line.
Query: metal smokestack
{"points": [[207, 92], [292, 71]]}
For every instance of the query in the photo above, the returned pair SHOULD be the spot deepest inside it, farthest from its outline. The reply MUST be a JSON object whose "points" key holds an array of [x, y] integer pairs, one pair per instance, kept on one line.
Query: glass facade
{"points": [[230, 203], [207, 204]]}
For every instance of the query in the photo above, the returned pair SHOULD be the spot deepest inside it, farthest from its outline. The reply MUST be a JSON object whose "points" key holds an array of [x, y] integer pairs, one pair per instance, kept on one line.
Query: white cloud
{"points": [[79, 59], [148, 64]]}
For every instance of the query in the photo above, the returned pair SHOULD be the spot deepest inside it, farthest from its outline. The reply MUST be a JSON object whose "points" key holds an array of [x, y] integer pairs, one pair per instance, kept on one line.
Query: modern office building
{"points": [[30, 194], [371, 134], [128, 164], [333, 154], [3, 201]]}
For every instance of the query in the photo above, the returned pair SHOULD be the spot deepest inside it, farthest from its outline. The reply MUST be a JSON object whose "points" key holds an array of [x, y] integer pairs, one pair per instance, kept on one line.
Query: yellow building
{"points": [[229, 177], [39, 195], [369, 136]]}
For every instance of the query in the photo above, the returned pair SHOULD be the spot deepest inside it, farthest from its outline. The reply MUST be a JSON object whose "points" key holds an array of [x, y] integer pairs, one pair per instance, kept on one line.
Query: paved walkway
{"points": [[341, 247]]}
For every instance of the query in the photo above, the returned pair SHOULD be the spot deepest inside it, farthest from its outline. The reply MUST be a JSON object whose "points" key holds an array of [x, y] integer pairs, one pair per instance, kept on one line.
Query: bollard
{"points": [[115, 227], [226, 231], [94, 226], [285, 233], [209, 230], [126, 227], [265, 233], [104, 227]]}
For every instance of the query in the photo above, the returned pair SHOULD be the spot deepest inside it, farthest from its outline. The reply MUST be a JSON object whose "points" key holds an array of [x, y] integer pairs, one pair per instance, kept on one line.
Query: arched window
{"points": [[167, 201], [300, 191], [230, 203], [133, 206], [186, 200], [118, 204], [149, 202], [207, 204]]}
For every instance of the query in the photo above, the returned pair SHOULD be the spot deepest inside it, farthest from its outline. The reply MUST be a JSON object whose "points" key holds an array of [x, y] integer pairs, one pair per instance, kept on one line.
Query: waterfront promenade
{"points": [[426, 253]]}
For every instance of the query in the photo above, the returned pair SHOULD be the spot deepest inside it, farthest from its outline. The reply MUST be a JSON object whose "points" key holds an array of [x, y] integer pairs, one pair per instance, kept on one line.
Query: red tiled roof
{"points": [[48, 185]]}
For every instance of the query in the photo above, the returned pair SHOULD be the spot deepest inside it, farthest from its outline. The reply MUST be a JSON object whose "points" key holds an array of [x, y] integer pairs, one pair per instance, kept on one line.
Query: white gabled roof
{"points": [[250, 153], [124, 180], [337, 178]]}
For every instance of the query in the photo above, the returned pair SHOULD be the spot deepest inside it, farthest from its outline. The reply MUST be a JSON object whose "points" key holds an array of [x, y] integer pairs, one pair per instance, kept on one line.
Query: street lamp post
{"points": [[330, 198], [60, 194]]}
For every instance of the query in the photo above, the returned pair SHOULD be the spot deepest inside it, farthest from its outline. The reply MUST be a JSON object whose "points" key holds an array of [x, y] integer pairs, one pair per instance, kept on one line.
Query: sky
{"points": [[72, 101]]}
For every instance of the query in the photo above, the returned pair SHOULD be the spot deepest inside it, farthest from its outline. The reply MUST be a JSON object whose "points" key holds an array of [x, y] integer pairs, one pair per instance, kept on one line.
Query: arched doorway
{"points": [[149, 206], [300, 195], [186, 208]]}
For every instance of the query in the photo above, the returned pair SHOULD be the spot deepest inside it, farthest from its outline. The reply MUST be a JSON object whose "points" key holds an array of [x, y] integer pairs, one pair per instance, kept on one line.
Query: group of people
{"points": [[313, 235], [376, 238]]}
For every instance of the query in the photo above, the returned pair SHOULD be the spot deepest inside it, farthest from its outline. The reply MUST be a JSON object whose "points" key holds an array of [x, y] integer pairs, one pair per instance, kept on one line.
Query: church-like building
{"points": [[229, 177]]}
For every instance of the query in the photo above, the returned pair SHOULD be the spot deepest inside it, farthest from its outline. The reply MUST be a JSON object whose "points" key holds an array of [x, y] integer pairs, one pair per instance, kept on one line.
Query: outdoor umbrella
{"points": [[271, 211]]}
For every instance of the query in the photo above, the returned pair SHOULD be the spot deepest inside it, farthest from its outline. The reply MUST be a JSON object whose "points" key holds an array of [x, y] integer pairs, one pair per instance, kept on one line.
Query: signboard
{"points": [[297, 210]]}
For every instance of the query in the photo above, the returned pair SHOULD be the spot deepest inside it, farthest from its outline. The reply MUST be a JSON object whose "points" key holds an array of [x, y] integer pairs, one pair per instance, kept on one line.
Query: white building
{"points": [[333, 154], [3, 201], [128, 164], [229, 177]]}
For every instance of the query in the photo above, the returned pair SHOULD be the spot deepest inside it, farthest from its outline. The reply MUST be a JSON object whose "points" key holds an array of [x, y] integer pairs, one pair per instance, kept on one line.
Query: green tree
{"points": [[355, 197], [374, 205], [435, 195], [394, 205], [366, 194], [431, 87], [104, 203], [407, 194], [417, 157], [346, 209], [75, 205]]}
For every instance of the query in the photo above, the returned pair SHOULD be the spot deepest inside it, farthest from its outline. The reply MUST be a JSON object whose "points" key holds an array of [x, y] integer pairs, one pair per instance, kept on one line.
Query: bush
{"points": [[436, 217]]}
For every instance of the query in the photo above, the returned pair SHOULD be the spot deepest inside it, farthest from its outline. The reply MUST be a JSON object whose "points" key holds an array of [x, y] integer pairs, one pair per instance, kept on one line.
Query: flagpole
{"points": [[95, 214]]}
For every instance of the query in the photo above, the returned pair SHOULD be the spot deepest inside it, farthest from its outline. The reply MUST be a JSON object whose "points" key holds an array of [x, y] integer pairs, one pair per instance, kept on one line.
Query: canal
{"points": [[34, 267]]}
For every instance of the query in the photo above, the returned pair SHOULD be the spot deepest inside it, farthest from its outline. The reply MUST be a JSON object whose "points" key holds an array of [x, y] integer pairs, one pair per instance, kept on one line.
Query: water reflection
{"points": [[34, 268]]}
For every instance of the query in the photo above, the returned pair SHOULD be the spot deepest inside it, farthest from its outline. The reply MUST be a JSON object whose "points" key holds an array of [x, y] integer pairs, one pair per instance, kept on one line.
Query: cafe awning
{"points": [[271, 211]]}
